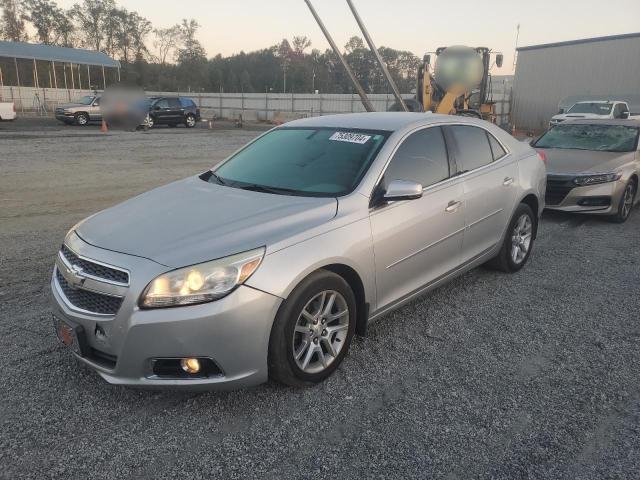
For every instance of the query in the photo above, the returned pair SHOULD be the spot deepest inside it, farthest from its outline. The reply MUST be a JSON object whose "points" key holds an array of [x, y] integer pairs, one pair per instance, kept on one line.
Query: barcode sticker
{"points": [[350, 137]]}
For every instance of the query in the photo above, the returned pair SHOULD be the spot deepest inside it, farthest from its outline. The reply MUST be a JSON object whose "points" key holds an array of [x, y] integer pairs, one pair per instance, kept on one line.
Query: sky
{"points": [[231, 26]]}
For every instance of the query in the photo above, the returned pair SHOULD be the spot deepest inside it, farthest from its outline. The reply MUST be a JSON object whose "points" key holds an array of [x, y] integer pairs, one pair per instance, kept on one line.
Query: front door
{"points": [[417, 241]]}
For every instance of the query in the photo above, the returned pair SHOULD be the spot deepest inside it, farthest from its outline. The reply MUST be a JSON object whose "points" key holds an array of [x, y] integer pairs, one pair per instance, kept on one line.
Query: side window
{"points": [[174, 103], [187, 102], [472, 147], [496, 148], [422, 157], [162, 103]]}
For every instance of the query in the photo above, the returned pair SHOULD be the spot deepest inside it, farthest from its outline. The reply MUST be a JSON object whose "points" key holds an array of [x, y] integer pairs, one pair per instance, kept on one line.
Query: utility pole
{"points": [[368, 106], [376, 54]]}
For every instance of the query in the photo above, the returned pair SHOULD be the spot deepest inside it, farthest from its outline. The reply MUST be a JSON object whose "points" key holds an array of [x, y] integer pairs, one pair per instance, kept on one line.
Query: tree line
{"points": [[172, 58]]}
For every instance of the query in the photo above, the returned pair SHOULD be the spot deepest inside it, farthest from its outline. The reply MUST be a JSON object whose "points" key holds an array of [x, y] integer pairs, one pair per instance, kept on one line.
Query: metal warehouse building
{"points": [[606, 68]]}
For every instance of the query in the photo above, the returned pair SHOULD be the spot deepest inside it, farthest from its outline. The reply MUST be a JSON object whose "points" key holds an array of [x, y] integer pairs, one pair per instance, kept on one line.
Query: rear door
{"points": [[417, 241], [490, 187], [176, 110]]}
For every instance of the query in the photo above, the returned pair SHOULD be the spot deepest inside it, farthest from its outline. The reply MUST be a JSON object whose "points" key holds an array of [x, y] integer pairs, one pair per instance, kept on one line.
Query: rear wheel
{"points": [[313, 330], [190, 121], [626, 203], [518, 242], [82, 119]]}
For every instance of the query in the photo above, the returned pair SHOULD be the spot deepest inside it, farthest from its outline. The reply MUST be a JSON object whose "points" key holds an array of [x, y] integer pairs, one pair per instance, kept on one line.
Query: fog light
{"points": [[190, 365]]}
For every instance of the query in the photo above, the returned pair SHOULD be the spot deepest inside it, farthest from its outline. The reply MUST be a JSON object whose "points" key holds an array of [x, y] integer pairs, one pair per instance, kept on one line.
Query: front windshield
{"points": [[303, 161], [86, 100], [604, 138], [595, 108]]}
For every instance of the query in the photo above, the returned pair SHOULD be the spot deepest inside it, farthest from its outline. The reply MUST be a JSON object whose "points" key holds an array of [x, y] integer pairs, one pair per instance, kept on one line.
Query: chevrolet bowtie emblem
{"points": [[75, 276]]}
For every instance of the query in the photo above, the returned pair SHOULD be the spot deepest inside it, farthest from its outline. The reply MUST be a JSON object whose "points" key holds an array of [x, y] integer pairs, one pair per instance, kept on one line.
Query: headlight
{"points": [[201, 283], [67, 112], [585, 180]]}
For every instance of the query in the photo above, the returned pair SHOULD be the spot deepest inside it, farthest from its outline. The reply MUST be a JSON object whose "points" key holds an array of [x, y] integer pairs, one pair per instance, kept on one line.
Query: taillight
{"points": [[543, 156]]}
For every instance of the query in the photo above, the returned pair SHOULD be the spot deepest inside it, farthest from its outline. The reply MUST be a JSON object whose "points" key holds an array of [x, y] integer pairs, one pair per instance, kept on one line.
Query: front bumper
{"points": [[233, 331], [601, 199]]}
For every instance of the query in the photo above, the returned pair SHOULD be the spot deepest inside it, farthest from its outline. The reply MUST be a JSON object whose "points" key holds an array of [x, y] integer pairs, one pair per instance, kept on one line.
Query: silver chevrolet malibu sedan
{"points": [[268, 264]]}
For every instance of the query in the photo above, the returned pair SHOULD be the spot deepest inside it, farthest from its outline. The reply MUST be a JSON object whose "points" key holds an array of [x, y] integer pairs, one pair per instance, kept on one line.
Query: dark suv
{"points": [[173, 111]]}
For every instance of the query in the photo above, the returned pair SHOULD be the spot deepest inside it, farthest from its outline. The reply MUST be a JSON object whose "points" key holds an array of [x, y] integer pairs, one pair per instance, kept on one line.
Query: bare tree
{"points": [[12, 22], [167, 41], [191, 50], [300, 44]]}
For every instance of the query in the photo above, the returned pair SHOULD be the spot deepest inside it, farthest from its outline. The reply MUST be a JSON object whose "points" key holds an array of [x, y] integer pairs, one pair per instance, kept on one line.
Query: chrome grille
{"points": [[87, 300], [93, 269]]}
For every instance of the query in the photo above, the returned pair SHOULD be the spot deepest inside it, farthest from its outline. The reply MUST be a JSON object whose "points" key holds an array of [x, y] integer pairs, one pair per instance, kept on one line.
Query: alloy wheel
{"points": [[627, 200], [521, 238], [149, 121], [321, 331], [191, 121]]}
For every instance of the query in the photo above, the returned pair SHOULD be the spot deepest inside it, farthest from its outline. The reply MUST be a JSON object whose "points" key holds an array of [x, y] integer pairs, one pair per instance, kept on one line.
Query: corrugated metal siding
{"points": [[545, 76], [56, 54]]}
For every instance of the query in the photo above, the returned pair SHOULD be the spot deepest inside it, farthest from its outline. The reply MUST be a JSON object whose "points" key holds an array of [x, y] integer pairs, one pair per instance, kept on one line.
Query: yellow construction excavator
{"points": [[460, 83]]}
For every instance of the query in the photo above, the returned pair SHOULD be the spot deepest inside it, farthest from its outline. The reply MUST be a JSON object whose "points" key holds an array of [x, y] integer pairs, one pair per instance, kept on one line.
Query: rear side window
{"points": [[496, 148], [422, 157], [174, 103], [472, 147], [187, 102]]}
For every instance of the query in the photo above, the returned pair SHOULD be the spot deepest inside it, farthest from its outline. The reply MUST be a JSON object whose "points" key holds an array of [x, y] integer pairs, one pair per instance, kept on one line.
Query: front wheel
{"points": [[518, 241], [150, 121], [626, 203], [82, 119], [313, 330]]}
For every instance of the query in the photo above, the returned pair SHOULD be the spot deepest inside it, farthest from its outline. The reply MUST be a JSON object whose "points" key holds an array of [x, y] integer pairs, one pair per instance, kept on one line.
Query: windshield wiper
{"points": [[254, 187], [218, 179]]}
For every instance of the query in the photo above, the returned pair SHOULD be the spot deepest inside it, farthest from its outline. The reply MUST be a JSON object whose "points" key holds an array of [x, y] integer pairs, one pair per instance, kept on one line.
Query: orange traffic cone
{"points": [[103, 127]]}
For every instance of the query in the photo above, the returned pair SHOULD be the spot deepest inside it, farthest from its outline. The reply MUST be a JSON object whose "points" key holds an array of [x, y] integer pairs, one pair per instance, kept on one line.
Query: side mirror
{"points": [[402, 190], [499, 60], [625, 115]]}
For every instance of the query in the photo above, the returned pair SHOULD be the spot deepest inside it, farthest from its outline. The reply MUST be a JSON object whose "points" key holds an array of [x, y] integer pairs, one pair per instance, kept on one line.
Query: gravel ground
{"points": [[532, 375]]}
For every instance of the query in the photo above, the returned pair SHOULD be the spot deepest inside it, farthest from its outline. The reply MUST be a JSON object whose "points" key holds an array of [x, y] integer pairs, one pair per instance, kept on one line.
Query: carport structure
{"points": [[47, 66]]}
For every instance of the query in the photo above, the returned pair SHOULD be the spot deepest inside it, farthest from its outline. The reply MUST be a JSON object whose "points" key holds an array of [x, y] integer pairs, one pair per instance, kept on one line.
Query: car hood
{"points": [[567, 161], [570, 116], [192, 221]]}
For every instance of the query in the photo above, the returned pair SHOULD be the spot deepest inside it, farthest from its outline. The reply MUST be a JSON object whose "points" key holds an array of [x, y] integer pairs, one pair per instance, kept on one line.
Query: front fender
{"points": [[350, 245]]}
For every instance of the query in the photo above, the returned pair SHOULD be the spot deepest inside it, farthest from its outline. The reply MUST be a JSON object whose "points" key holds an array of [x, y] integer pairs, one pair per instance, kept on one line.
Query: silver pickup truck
{"points": [[85, 110]]}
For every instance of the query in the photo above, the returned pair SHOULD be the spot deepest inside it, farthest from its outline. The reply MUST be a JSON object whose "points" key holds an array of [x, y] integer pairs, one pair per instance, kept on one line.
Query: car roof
{"points": [[629, 122], [385, 121]]}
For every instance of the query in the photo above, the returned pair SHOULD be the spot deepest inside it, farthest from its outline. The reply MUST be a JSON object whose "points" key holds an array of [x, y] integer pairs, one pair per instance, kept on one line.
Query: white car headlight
{"points": [[584, 180], [201, 283]]}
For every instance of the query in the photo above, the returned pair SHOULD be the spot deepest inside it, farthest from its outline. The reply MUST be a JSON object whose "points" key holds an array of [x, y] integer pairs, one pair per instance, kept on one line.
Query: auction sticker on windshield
{"points": [[350, 137]]}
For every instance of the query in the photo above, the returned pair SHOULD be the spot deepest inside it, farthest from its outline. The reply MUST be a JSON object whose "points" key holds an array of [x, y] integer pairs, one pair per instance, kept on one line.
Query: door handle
{"points": [[507, 181], [453, 206]]}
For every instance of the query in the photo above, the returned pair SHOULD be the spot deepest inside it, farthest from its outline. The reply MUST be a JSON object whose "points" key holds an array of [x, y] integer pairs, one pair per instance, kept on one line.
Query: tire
{"points": [[82, 119], [190, 121], [506, 260], [626, 202], [291, 329], [150, 121]]}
